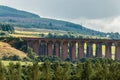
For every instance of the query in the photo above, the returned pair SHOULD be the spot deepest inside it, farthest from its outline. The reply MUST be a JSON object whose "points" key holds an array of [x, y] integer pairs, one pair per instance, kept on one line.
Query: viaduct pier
{"points": [[74, 48]]}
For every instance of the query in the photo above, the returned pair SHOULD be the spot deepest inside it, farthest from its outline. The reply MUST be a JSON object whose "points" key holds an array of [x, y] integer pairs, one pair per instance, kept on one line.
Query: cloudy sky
{"points": [[101, 15]]}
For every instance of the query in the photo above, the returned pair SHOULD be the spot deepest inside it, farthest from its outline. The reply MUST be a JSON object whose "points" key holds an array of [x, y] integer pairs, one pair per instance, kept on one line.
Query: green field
{"points": [[6, 63]]}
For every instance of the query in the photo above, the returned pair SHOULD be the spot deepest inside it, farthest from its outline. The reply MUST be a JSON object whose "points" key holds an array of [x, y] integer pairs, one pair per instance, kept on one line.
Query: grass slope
{"points": [[7, 50]]}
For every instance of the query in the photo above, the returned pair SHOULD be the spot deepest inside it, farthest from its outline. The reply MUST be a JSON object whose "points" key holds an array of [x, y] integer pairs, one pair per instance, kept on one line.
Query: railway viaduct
{"points": [[73, 48]]}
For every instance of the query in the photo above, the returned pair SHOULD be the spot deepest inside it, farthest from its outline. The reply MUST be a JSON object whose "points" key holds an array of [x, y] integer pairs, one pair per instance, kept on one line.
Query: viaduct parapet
{"points": [[74, 48]]}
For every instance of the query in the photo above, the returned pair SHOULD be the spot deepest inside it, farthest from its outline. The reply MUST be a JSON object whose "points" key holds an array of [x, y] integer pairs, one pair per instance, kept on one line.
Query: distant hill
{"points": [[11, 12], [23, 19]]}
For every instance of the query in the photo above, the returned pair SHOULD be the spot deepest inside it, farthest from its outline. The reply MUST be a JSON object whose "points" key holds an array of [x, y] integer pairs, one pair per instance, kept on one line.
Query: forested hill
{"points": [[26, 20], [11, 12]]}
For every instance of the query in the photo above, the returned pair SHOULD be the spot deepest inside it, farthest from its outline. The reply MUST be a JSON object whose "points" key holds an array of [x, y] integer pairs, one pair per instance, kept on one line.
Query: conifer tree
{"points": [[34, 72], [46, 71], [79, 70], [97, 70], [113, 70], [105, 69], [2, 71], [66, 72], [88, 71], [57, 69], [18, 72], [11, 71]]}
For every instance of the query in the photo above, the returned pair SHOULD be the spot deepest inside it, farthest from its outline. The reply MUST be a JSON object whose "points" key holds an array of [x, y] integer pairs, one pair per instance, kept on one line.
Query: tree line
{"points": [[7, 28], [99, 69]]}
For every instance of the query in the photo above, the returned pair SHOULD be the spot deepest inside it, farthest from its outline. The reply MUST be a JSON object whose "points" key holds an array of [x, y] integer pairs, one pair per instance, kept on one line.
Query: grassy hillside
{"points": [[7, 50], [27, 20]]}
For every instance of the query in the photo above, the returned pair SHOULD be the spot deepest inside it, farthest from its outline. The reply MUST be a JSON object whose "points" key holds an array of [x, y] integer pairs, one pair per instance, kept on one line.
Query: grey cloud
{"points": [[81, 8], [69, 9], [104, 25]]}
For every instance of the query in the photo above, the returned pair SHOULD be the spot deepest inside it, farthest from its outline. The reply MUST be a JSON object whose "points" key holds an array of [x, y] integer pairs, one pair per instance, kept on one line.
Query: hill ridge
{"points": [[44, 23], [6, 11]]}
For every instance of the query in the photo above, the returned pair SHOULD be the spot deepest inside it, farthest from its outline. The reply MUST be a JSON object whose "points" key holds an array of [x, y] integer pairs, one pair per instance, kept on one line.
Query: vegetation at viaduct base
{"points": [[97, 69]]}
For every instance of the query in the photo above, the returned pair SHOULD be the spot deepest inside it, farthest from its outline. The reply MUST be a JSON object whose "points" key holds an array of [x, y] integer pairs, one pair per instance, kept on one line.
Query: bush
{"points": [[14, 58]]}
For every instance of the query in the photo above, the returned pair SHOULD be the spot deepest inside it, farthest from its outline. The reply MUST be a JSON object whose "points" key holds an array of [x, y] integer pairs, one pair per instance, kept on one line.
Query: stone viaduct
{"points": [[73, 48]]}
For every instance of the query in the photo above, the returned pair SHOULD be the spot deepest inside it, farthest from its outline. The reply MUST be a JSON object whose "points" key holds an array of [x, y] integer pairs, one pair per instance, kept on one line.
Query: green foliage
{"points": [[46, 71], [99, 70], [88, 70], [57, 71], [30, 53], [79, 71], [66, 72], [14, 58], [34, 72], [11, 71], [2, 71], [66, 35], [105, 69], [7, 27], [4, 34], [49, 58], [18, 71], [112, 35]]}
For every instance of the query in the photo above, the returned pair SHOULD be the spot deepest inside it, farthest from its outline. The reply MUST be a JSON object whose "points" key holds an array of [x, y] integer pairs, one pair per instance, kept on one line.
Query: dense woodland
{"points": [[99, 69], [4, 11], [6, 27]]}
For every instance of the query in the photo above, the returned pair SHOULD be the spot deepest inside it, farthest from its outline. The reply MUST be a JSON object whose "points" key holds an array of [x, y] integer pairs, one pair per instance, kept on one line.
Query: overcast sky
{"points": [[101, 15]]}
